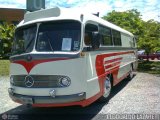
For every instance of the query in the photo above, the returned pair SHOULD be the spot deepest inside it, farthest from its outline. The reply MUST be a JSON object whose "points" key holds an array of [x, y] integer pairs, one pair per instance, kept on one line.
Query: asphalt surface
{"points": [[139, 96]]}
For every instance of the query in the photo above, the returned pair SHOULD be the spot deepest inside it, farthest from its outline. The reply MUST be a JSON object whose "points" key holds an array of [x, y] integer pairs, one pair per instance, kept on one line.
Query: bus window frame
{"points": [[113, 40], [103, 45], [60, 52], [89, 47]]}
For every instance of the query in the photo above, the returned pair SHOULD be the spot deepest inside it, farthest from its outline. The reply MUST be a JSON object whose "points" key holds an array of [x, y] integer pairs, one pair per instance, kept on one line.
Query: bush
{"points": [[149, 67], [4, 67]]}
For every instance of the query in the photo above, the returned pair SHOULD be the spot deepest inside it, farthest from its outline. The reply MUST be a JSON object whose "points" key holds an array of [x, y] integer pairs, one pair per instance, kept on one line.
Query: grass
{"points": [[151, 67], [4, 67]]}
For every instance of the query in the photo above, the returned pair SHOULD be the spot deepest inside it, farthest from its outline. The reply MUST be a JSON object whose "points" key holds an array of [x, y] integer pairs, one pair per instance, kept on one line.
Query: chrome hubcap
{"points": [[107, 87]]}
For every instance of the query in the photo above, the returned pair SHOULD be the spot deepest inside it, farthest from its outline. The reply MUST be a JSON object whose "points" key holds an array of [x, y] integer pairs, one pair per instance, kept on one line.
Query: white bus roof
{"points": [[66, 14]]}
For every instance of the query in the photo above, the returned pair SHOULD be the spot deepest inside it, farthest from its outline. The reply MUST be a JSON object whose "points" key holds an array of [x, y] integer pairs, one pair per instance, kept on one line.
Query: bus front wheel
{"points": [[107, 89]]}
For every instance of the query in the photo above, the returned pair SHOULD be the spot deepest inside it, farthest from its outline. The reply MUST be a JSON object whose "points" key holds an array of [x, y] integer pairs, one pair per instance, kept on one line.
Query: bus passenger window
{"points": [[87, 39], [116, 38], [89, 30], [106, 36]]}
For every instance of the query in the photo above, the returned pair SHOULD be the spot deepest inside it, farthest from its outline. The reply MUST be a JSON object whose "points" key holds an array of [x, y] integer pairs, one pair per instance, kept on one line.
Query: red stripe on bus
{"points": [[101, 73], [100, 69], [29, 65], [112, 65], [112, 60]]}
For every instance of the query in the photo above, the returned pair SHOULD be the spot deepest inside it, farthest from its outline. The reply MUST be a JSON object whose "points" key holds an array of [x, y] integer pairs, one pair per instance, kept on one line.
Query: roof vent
{"points": [[40, 14]]}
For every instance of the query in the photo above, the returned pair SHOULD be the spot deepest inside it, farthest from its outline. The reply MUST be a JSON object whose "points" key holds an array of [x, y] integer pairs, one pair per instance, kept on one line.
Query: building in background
{"points": [[11, 15]]}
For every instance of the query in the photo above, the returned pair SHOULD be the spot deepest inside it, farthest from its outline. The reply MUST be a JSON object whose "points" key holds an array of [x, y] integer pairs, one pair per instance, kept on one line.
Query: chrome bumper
{"points": [[25, 99]]}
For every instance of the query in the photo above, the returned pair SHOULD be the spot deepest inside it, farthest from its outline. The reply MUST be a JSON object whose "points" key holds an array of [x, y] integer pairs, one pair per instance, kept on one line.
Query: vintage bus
{"points": [[65, 57]]}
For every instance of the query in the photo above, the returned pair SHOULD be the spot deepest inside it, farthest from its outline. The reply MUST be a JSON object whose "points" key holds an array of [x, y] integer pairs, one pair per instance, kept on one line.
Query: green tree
{"points": [[148, 32], [150, 40], [129, 20], [6, 38]]}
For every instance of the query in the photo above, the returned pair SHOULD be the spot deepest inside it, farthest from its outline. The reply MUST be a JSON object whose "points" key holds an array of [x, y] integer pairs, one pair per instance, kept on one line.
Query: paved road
{"points": [[141, 95]]}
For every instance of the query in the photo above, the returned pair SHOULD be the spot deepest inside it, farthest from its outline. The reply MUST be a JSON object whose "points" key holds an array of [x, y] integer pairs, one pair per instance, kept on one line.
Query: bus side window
{"points": [[87, 39], [116, 38], [106, 36], [91, 36]]}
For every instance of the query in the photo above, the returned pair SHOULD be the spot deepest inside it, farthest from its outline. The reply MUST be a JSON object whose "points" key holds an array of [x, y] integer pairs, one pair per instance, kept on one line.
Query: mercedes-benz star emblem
{"points": [[29, 82]]}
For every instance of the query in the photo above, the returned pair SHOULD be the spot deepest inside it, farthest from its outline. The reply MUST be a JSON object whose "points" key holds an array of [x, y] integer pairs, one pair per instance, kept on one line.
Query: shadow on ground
{"points": [[68, 113]]}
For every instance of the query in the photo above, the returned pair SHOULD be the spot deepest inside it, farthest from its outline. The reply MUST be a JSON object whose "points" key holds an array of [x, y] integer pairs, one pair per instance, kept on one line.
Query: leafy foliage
{"points": [[6, 38], [150, 40], [129, 20], [4, 69], [149, 67], [148, 33]]}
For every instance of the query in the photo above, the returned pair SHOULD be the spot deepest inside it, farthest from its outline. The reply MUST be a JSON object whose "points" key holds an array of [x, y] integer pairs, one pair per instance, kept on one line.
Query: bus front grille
{"points": [[36, 81]]}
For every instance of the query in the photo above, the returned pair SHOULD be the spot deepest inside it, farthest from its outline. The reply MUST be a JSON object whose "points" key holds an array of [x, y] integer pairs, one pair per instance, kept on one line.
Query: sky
{"points": [[149, 9]]}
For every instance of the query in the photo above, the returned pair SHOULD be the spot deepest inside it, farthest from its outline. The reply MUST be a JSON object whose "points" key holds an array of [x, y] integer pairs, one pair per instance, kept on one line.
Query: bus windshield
{"points": [[24, 40], [62, 36], [59, 36]]}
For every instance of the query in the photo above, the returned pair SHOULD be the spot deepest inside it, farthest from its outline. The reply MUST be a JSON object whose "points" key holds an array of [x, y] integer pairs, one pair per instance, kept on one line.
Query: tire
{"points": [[130, 76], [107, 89]]}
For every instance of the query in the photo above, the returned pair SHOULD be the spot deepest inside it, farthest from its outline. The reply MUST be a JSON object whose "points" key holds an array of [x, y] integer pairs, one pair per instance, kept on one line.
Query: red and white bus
{"points": [[65, 57]]}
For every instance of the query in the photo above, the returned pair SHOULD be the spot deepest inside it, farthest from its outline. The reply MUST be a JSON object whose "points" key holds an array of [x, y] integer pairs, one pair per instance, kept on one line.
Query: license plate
{"points": [[27, 100]]}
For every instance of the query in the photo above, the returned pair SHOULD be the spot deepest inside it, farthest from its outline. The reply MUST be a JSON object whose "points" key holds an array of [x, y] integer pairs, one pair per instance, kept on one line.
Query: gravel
{"points": [[5, 102], [141, 95]]}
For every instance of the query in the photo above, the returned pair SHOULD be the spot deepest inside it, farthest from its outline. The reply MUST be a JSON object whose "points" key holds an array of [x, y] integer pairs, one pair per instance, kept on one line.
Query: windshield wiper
{"points": [[28, 45]]}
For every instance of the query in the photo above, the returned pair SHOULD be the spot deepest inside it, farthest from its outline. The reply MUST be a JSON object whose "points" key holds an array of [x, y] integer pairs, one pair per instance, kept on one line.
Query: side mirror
{"points": [[95, 42]]}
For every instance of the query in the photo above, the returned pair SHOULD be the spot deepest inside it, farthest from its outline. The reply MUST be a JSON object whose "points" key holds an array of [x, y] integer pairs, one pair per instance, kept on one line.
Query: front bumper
{"points": [[25, 99]]}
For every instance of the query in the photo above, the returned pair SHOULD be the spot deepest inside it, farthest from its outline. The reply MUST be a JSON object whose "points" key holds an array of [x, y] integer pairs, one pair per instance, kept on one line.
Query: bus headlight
{"points": [[65, 81], [11, 80]]}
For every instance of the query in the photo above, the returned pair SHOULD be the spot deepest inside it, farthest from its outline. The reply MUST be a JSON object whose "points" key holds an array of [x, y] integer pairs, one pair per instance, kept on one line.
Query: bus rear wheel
{"points": [[107, 89], [130, 76]]}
